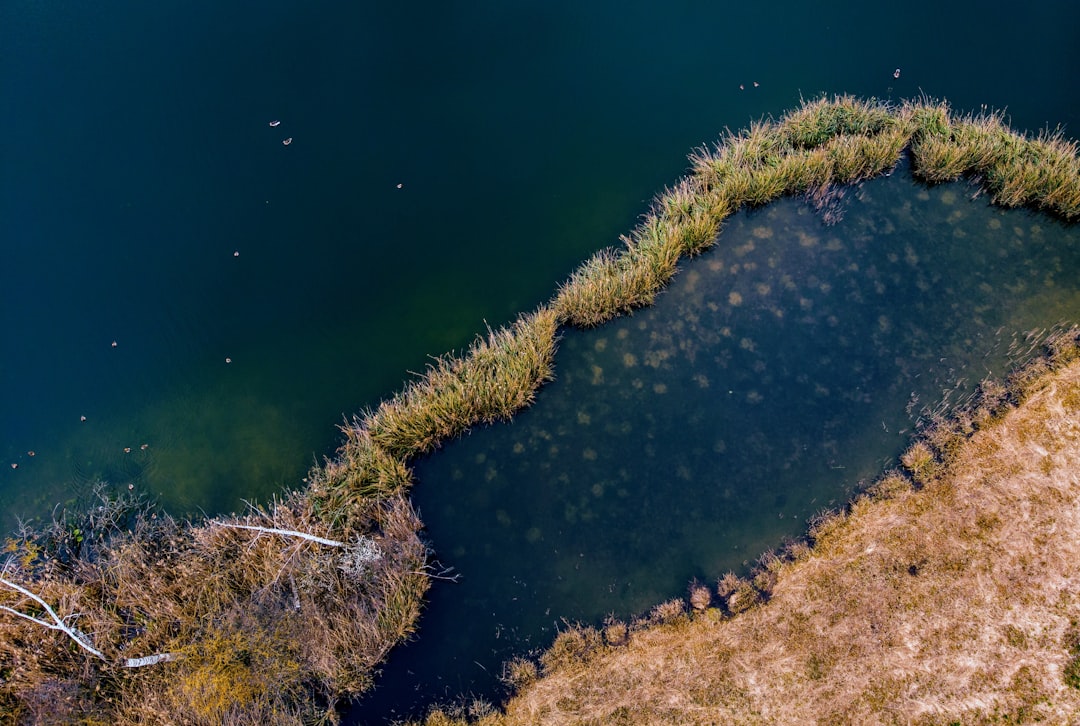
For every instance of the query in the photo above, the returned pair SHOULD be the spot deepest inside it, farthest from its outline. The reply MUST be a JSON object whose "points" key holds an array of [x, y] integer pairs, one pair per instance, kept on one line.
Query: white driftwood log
{"points": [[286, 532]]}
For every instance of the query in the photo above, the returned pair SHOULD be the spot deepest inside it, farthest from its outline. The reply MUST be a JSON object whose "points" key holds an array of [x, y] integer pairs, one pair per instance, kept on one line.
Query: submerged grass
{"points": [[262, 626], [943, 596]]}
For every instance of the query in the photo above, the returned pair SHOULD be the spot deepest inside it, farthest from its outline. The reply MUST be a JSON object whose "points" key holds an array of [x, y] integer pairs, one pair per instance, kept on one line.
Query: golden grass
{"points": [[956, 601], [498, 376]]}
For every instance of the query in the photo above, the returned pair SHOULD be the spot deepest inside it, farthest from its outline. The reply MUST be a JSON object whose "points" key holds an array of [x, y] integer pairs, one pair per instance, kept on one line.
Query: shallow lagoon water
{"points": [[778, 374]]}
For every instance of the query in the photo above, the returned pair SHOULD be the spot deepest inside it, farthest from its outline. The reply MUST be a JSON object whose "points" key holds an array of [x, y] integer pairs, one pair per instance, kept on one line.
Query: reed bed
{"points": [[498, 376], [255, 625]]}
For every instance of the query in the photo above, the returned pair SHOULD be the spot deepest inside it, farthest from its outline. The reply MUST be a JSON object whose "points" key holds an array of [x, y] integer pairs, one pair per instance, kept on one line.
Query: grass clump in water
{"points": [[498, 376], [1016, 169]]}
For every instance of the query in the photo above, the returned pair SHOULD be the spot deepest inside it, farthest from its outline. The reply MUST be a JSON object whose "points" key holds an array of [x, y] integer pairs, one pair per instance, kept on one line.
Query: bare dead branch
{"points": [[57, 622], [285, 532]]}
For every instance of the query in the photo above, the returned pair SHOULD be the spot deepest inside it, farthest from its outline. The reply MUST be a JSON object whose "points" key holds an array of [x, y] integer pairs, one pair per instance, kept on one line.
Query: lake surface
{"points": [[146, 200]]}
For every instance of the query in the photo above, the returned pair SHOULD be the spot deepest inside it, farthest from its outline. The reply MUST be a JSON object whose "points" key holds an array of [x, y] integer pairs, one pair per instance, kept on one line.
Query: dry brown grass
{"points": [[262, 627], [955, 601]]}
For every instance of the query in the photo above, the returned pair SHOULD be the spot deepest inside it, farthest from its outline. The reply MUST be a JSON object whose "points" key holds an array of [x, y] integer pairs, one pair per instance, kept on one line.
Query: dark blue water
{"points": [[137, 158]]}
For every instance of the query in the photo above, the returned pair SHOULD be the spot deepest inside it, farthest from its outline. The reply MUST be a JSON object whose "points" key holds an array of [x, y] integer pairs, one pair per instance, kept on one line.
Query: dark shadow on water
{"points": [[779, 373]]}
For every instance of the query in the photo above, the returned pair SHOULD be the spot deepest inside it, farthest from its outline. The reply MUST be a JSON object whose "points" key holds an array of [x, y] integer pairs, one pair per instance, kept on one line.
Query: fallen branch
{"points": [[286, 532], [147, 660], [58, 624]]}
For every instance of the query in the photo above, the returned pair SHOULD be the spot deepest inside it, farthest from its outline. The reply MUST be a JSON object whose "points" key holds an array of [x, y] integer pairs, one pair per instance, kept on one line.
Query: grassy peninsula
{"points": [[947, 593], [121, 614]]}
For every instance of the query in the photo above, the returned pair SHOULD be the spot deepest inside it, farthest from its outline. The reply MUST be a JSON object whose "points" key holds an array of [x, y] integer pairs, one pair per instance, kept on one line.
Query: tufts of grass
{"points": [[921, 464], [683, 221], [819, 121], [571, 646], [700, 597], [737, 594], [824, 526], [892, 485], [610, 284], [1043, 172], [1017, 170], [519, 673], [756, 147], [616, 632], [668, 612], [498, 376]]}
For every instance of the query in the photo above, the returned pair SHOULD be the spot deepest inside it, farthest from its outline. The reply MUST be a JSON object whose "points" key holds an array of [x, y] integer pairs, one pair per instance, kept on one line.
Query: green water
{"points": [[780, 373]]}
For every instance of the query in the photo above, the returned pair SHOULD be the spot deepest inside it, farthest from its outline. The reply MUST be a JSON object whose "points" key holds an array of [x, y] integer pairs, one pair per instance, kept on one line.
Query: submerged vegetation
{"points": [[121, 614], [943, 596]]}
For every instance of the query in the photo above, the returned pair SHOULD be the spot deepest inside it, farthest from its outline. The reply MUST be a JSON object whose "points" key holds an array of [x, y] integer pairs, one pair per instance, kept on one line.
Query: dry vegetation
{"points": [[940, 596], [250, 625], [264, 626]]}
